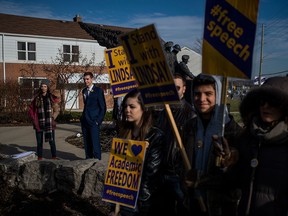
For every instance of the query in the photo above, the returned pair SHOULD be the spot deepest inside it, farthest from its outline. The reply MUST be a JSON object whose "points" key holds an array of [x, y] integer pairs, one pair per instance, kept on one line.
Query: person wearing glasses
{"points": [[208, 190], [262, 168], [173, 196]]}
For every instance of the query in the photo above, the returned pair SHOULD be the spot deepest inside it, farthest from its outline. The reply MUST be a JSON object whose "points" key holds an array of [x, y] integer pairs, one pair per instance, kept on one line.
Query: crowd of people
{"points": [[242, 171], [235, 170]]}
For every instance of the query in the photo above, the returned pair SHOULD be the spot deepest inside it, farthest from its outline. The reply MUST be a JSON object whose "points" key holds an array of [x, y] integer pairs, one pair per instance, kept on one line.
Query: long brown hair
{"points": [[49, 94], [146, 122]]}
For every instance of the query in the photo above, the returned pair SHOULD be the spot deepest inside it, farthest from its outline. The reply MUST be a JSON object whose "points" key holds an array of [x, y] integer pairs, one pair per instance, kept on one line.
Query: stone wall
{"points": [[83, 178]]}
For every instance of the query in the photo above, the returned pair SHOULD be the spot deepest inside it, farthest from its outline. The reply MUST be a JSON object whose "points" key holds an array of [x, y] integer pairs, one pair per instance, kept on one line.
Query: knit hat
{"points": [[45, 82], [274, 90]]}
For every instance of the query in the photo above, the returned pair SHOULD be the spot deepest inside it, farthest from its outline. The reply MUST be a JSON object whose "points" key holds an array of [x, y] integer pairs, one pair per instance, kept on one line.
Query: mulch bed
{"points": [[106, 134]]}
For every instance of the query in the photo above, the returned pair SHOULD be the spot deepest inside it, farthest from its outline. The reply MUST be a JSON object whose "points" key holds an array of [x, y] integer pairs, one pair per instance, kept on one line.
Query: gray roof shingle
{"points": [[106, 35]]}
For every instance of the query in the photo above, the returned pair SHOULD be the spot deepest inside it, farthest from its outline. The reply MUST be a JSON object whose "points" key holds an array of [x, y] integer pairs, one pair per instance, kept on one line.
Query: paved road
{"points": [[19, 139]]}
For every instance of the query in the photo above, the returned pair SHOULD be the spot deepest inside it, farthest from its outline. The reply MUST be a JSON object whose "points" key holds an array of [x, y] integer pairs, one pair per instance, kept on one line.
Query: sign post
{"points": [[152, 73], [228, 42]]}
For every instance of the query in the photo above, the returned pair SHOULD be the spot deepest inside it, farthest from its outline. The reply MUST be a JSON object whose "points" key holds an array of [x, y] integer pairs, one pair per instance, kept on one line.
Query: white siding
{"points": [[72, 99], [48, 48], [194, 62], [1, 50]]}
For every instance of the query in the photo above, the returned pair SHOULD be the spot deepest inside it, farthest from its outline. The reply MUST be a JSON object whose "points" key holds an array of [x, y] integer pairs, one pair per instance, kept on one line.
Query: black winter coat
{"points": [[219, 193], [270, 186], [181, 113], [152, 171]]}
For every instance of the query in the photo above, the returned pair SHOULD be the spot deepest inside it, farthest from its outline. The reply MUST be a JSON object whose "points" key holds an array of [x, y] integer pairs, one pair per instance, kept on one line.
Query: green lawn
{"points": [[234, 109], [234, 104]]}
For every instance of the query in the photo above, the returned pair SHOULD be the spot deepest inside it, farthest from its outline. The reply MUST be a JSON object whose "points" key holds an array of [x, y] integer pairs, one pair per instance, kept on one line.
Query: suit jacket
{"points": [[94, 106]]}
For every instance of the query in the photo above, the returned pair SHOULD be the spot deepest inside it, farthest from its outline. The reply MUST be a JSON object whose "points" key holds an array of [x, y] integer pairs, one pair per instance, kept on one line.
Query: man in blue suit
{"points": [[92, 117]]}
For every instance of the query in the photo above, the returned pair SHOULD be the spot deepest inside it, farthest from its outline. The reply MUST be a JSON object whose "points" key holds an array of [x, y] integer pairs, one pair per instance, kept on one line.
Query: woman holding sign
{"points": [[136, 124]]}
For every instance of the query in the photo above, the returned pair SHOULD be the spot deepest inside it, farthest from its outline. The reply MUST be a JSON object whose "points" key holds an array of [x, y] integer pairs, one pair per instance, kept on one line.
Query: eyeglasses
{"points": [[178, 88], [273, 102]]}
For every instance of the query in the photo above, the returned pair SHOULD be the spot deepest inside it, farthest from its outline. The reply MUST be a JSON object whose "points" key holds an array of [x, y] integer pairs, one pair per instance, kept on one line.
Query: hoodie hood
{"points": [[275, 88]]}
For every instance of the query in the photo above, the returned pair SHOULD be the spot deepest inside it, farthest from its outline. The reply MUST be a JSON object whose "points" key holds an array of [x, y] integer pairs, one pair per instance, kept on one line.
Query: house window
{"points": [[70, 53], [26, 51], [29, 86]]}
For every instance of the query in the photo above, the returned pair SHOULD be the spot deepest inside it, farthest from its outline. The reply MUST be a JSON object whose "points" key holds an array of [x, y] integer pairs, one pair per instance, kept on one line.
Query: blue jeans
{"points": [[39, 139]]}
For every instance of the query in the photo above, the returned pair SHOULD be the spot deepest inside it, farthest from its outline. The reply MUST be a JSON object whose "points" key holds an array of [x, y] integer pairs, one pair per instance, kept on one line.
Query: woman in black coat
{"points": [[137, 124], [262, 169]]}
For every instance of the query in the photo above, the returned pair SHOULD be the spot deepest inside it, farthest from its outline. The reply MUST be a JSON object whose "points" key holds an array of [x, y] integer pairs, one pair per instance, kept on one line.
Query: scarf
{"points": [[215, 127], [277, 133], [204, 138], [45, 116]]}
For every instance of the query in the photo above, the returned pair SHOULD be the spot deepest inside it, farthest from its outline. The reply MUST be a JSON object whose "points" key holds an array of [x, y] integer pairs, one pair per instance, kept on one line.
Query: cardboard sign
{"points": [[229, 33], [149, 66], [123, 176], [121, 78]]}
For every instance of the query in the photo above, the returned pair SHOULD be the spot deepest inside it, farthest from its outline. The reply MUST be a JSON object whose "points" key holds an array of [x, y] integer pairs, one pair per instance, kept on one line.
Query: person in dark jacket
{"points": [[173, 195], [92, 117], [170, 56], [183, 68], [137, 124], [43, 112], [262, 169], [207, 189]]}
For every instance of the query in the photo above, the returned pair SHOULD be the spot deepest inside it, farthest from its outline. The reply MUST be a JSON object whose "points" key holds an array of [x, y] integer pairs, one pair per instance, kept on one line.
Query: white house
{"points": [[34, 41], [194, 62]]}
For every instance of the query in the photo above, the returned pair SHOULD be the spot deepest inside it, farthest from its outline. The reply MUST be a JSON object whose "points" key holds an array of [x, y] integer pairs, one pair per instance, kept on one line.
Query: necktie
{"points": [[86, 94]]}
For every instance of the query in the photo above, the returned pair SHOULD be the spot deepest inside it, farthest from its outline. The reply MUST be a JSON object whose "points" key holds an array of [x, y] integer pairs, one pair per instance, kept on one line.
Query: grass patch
{"points": [[234, 109], [234, 104]]}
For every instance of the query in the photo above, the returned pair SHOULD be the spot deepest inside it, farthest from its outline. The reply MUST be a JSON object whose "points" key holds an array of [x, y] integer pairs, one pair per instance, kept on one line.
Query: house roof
{"points": [[105, 35]]}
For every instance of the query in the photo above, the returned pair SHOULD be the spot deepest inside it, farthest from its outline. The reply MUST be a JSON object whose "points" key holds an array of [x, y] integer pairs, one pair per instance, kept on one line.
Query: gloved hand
{"points": [[191, 179], [228, 156]]}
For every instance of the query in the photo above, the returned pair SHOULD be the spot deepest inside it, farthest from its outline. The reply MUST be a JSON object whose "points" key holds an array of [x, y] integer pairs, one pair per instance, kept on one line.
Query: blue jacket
{"points": [[94, 106]]}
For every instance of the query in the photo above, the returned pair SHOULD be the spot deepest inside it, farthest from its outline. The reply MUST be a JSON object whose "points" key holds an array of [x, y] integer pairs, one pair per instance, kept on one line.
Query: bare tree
{"points": [[197, 47], [61, 72], [12, 107], [66, 76], [31, 70]]}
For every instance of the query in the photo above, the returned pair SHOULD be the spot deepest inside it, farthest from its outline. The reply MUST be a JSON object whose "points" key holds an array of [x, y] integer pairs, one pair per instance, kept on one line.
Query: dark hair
{"points": [[38, 95], [39, 91], [203, 79], [180, 76], [88, 73], [127, 127]]}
